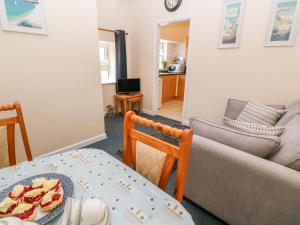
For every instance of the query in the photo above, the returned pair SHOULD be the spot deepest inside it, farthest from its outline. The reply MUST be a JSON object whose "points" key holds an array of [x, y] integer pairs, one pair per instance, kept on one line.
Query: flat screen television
{"points": [[128, 86]]}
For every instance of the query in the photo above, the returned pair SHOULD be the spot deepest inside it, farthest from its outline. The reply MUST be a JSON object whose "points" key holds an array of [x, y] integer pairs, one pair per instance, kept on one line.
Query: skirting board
{"points": [[185, 123], [76, 145], [149, 112]]}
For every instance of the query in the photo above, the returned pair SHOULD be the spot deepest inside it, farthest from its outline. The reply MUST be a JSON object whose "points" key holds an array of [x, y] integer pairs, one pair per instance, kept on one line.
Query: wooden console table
{"points": [[126, 100]]}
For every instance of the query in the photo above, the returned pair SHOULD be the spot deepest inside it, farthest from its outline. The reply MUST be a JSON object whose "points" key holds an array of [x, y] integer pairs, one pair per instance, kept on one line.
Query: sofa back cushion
{"points": [[292, 111], [258, 145], [288, 153]]}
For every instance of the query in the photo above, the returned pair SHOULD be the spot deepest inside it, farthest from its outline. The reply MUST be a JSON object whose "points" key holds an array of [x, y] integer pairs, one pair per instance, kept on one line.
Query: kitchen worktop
{"points": [[170, 74]]}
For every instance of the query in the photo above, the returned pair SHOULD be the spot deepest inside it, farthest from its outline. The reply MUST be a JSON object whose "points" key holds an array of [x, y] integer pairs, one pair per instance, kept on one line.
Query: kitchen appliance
{"points": [[128, 85], [176, 68]]}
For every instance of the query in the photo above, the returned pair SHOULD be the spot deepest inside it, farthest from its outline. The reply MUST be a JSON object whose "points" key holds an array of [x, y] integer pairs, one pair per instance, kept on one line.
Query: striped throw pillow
{"points": [[260, 114], [254, 128]]}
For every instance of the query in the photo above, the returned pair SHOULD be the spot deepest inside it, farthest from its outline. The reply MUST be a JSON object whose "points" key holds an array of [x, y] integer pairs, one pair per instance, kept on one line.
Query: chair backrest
{"points": [[10, 124], [166, 153]]}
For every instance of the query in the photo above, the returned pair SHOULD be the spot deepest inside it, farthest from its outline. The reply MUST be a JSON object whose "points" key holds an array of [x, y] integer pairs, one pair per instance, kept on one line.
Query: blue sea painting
{"points": [[284, 20], [231, 23], [24, 13]]}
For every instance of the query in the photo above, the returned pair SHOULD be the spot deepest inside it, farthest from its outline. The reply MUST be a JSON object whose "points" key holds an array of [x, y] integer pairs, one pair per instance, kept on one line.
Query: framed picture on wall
{"points": [[284, 23], [23, 16], [231, 24]]}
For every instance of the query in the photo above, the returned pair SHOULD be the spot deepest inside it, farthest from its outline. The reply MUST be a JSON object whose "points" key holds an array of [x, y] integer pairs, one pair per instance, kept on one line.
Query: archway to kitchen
{"points": [[170, 70]]}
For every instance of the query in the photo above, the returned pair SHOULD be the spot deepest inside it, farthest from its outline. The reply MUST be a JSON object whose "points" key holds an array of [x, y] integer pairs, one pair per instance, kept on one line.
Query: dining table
{"points": [[97, 174]]}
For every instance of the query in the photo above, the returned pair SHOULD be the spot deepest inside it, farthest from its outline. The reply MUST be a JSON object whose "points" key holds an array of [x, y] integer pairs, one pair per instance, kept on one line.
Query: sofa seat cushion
{"points": [[288, 153], [258, 145]]}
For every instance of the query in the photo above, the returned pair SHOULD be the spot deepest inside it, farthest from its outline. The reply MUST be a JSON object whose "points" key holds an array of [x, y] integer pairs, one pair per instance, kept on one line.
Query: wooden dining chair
{"points": [[154, 158], [10, 124]]}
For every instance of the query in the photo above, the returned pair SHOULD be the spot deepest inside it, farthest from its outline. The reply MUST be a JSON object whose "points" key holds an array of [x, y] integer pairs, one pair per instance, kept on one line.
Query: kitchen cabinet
{"points": [[181, 85], [172, 87], [169, 84]]}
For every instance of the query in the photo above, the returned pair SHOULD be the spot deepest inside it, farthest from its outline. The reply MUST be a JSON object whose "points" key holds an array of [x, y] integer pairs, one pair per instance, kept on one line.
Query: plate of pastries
{"points": [[36, 199]]}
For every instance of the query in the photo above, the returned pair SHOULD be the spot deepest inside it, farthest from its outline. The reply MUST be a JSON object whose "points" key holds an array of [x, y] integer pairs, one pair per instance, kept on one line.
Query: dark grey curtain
{"points": [[121, 61]]}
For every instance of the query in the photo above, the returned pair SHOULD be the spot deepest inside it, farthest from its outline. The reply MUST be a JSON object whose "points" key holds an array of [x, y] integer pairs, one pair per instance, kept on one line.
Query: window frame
{"points": [[111, 62], [163, 46]]}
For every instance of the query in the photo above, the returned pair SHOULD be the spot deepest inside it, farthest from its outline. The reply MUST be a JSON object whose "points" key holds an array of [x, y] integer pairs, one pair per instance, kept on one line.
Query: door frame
{"points": [[184, 118]]}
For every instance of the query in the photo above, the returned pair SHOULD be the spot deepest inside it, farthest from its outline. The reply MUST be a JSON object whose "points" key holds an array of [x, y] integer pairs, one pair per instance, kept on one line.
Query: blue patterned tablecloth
{"points": [[104, 174]]}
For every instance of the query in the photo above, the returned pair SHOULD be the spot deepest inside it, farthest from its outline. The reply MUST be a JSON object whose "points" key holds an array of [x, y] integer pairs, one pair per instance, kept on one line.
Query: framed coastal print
{"points": [[284, 23], [23, 16], [231, 24]]}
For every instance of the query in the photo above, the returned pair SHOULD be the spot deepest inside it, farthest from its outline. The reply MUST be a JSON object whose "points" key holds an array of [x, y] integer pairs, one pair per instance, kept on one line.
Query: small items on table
{"points": [[128, 197], [128, 100]]}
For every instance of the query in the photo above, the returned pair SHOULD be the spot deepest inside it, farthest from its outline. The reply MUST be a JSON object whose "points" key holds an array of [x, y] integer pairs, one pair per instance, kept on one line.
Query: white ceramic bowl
{"points": [[11, 221], [15, 221]]}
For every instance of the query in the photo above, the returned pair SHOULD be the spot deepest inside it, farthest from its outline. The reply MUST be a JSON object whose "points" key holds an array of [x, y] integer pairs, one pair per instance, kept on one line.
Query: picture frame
{"points": [[233, 13], [26, 16], [284, 23]]}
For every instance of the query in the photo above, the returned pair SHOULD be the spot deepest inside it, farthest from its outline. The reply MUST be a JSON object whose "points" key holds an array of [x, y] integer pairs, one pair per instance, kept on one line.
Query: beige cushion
{"points": [[260, 114], [149, 162], [254, 128], [3, 148], [259, 145], [235, 107]]}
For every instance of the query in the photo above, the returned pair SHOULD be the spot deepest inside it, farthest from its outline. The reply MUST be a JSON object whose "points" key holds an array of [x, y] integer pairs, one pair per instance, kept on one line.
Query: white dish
{"points": [[15, 221], [72, 215], [11, 221], [42, 217]]}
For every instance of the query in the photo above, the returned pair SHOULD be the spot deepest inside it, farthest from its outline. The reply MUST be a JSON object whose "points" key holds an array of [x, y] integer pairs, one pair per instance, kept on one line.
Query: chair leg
{"points": [[116, 106], [140, 106]]}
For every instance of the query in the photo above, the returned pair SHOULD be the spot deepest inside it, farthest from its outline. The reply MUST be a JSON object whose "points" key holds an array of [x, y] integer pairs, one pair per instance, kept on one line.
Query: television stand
{"points": [[129, 93], [127, 99]]}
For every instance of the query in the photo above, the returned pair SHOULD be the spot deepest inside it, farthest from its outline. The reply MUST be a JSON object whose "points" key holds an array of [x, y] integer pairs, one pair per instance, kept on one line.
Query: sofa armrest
{"points": [[241, 188], [259, 145]]}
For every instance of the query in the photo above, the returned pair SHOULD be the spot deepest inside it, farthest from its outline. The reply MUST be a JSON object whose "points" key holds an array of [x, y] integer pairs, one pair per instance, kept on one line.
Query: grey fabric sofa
{"points": [[242, 187]]}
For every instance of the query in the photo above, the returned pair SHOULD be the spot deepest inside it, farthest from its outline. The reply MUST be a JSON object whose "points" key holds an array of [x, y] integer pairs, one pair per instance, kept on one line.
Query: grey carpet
{"points": [[114, 142]]}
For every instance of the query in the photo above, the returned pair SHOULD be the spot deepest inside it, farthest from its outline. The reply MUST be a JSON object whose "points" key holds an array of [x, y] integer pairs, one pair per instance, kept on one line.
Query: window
{"points": [[107, 62], [163, 53]]}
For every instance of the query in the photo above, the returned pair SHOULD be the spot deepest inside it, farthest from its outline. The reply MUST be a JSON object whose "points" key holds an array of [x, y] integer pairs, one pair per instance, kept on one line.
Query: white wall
{"points": [[115, 14], [270, 75], [175, 50], [55, 77]]}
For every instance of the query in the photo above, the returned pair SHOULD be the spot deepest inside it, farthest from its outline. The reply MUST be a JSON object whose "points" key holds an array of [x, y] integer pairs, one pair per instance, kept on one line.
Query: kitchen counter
{"points": [[170, 74]]}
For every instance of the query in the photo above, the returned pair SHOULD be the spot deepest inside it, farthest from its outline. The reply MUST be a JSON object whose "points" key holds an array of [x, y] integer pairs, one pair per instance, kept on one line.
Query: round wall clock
{"points": [[172, 5]]}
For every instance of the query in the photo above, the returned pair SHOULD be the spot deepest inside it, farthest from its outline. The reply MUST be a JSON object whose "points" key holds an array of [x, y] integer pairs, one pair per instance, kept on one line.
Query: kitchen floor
{"points": [[171, 109]]}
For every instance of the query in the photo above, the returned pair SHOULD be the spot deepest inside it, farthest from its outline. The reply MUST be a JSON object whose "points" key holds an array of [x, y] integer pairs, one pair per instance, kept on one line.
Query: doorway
{"points": [[171, 69]]}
